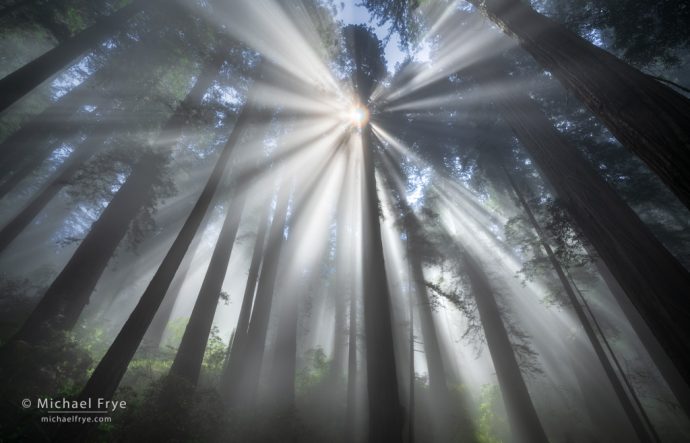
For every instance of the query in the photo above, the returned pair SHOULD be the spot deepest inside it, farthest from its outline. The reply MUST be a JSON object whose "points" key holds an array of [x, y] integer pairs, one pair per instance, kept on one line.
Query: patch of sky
{"points": [[564, 125], [60, 154], [352, 13], [110, 43], [270, 145], [73, 76], [224, 95], [595, 36], [417, 182], [77, 224], [120, 179]]}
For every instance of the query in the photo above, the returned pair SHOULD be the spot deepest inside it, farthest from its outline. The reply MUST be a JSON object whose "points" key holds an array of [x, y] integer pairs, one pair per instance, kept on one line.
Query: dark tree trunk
{"points": [[258, 325], [231, 377], [646, 116], [522, 416], [640, 427], [666, 366], [190, 354], [652, 278], [17, 84], [385, 412], [65, 299]]}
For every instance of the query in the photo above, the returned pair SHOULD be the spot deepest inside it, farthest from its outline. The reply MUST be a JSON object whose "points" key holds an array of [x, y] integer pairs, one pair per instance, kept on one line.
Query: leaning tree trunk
{"points": [[257, 330], [231, 377], [652, 278], [385, 411], [643, 432], [190, 354], [648, 117], [20, 82], [522, 416], [65, 299]]}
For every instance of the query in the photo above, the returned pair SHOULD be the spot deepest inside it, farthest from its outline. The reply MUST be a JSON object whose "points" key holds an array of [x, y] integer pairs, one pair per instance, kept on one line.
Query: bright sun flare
{"points": [[359, 116]]}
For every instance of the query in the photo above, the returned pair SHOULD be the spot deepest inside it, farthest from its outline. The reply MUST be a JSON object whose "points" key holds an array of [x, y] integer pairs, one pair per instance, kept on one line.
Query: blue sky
{"points": [[352, 14]]}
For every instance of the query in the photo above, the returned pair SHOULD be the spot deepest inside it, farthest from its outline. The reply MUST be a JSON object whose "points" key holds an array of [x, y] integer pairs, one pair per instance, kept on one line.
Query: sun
{"points": [[359, 115]]}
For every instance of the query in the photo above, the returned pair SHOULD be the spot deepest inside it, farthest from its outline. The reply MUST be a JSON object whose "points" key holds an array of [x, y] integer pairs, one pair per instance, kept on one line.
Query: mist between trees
{"points": [[310, 221]]}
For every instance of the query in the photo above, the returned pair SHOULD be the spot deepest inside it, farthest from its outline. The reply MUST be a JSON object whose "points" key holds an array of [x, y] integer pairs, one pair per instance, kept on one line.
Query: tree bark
{"points": [[20, 82], [646, 116]]}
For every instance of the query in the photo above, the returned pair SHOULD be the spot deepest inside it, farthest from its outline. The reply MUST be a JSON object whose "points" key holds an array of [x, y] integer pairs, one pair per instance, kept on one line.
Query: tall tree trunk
{"points": [[646, 116], [17, 84], [651, 277], [190, 354], [112, 367], [63, 302], [385, 412], [643, 430], [522, 416], [232, 372], [666, 366], [258, 325]]}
